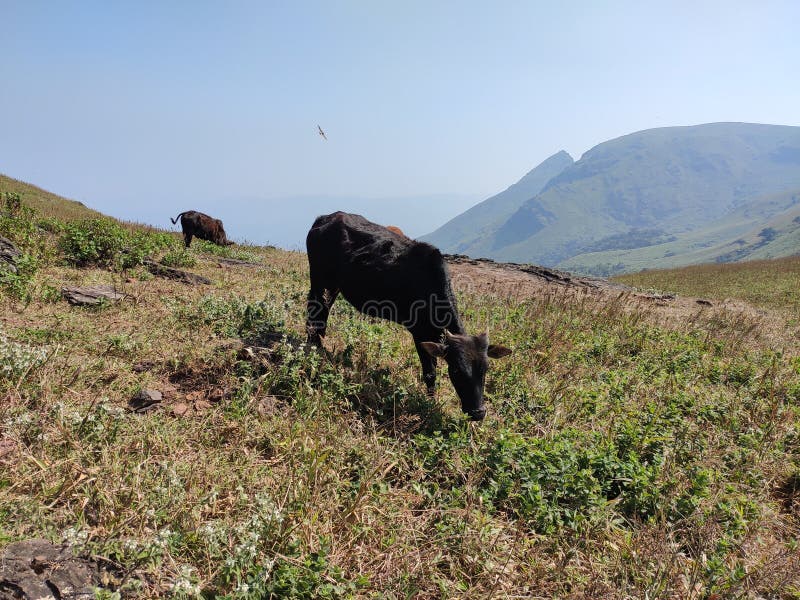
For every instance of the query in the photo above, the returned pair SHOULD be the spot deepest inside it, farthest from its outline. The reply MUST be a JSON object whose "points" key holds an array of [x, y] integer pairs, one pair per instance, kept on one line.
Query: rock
{"points": [[37, 569], [8, 254], [180, 409], [704, 302], [145, 400], [176, 274], [550, 276], [235, 262], [145, 365], [92, 295]]}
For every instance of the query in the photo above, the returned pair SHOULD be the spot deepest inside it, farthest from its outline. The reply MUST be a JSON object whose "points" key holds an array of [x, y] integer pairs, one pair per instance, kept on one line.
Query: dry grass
{"points": [[625, 455], [772, 284], [46, 203]]}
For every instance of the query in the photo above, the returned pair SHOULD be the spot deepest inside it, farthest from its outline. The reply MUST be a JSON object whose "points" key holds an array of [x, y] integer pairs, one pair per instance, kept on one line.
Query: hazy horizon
{"points": [[287, 228]]}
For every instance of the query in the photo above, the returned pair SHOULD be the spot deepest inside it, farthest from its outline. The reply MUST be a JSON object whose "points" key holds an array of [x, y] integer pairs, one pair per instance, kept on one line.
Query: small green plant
{"points": [[310, 577], [51, 225], [234, 252], [12, 203], [17, 222], [16, 280], [180, 257]]}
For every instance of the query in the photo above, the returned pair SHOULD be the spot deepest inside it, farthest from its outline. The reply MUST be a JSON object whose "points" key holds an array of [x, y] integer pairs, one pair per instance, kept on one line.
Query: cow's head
{"points": [[467, 359], [222, 239]]}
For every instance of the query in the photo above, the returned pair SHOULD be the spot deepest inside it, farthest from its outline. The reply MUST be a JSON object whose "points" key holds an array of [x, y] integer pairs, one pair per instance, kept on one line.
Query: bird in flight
{"points": [[322, 133]]}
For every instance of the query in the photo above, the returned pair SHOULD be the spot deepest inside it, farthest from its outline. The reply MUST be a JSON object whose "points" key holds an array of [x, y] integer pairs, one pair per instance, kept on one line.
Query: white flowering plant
{"points": [[17, 360]]}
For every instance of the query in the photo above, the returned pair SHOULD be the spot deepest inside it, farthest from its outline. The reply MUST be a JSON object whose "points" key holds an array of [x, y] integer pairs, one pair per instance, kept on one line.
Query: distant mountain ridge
{"points": [[656, 198], [469, 232]]}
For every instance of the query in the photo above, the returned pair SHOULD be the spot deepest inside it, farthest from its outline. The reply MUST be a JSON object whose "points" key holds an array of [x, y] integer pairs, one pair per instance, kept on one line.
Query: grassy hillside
{"points": [[769, 284], [649, 198], [730, 239], [472, 231], [627, 452], [46, 203]]}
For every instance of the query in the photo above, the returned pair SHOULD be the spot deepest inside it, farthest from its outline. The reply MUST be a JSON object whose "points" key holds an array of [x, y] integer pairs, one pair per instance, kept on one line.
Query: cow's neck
{"points": [[448, 319]]}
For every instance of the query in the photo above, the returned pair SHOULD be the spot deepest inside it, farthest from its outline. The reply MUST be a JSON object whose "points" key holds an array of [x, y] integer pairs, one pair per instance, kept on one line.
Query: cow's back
{"points": [[351, 240], [369, 264]]}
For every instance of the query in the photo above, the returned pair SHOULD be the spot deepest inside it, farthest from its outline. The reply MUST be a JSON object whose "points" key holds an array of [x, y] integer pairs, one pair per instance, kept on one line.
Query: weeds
{"points": [[18, 360]]}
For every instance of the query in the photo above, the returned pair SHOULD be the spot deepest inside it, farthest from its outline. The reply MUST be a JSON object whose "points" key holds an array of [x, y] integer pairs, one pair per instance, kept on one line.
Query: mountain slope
{"points": [[767, 227], [670, 191], [47, 203], [468, 232]]}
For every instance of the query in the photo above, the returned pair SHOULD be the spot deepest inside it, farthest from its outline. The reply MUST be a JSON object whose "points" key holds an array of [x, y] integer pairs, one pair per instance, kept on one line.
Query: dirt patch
{"points": [[8, 448], [516, 281], [195, 388], [787, 492]]}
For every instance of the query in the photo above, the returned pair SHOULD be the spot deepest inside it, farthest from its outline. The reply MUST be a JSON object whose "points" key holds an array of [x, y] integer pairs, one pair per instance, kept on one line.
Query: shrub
{"points": [[17, 282], [12, 203], [180, 257], [104, 242], [569, 479], [17, 222]]}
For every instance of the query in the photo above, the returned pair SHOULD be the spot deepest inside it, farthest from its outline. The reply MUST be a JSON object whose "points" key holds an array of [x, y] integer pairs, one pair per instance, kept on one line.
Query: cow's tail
{"points": [[175, 220]]}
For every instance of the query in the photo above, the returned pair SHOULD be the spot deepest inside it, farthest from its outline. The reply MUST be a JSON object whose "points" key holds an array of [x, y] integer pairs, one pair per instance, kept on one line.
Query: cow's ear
{"points": [[495, 351], [433, 348]]}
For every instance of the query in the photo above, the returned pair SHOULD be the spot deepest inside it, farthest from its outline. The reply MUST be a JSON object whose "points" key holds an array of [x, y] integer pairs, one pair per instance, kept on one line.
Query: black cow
{"points": [[385, 275], [202, 226]]}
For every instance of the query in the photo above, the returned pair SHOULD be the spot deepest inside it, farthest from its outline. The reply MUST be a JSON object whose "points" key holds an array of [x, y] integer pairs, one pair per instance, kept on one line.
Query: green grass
{"points": [[620, 457], [765, 283]]}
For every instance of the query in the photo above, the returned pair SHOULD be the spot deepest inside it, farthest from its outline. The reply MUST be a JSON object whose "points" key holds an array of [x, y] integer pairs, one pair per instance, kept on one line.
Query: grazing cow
{"points": [[385, 275], [396, 230], [202, 226]]}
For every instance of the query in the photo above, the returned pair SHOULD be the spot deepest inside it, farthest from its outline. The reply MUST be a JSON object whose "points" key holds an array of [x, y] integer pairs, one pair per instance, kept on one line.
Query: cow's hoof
{"points": [[477, 415]]}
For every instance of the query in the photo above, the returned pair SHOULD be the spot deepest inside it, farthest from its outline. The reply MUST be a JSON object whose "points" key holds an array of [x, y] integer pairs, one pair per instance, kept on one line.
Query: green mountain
{"points": [[469, 232], [661, 198]]}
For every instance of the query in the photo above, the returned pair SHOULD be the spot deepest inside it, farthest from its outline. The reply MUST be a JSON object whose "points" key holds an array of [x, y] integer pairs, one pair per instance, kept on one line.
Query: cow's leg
{"points": [[187, 239], [320, 300], [428, 368]]}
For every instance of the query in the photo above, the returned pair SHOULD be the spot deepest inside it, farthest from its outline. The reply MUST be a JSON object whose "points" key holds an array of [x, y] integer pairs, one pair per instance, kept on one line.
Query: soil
{"points": [[519, 282]]}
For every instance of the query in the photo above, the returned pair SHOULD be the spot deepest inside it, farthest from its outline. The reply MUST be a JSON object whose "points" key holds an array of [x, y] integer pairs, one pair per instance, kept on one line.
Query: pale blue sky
{"points": [[143, 108]]}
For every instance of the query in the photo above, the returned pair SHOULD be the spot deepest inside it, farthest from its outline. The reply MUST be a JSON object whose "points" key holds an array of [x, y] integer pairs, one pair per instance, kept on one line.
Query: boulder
{"points": [[8, 254], [145, 400], [92, 295], [38, 569], [160, 270]]}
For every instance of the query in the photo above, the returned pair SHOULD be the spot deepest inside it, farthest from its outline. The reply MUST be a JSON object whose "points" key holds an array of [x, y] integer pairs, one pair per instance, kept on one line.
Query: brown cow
{"points": [[396, 230], [202, 226]]}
